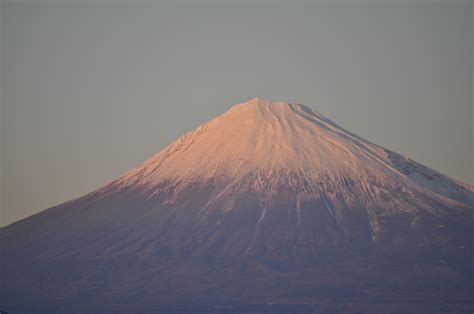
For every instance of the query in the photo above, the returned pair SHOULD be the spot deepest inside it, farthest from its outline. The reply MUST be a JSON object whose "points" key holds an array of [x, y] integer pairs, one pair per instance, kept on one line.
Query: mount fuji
{"points": [[270, 207]]}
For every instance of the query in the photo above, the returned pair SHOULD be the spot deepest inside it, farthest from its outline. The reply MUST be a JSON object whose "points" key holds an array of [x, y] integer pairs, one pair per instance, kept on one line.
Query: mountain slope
{"points": [[268, 207]]}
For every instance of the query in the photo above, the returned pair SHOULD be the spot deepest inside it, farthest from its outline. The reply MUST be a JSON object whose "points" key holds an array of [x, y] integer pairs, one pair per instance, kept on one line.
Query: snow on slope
{"points": [[266, 138]]}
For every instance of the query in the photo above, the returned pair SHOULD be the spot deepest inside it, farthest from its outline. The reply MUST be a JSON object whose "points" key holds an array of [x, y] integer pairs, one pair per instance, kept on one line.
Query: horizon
{"points": [[260, 119]]}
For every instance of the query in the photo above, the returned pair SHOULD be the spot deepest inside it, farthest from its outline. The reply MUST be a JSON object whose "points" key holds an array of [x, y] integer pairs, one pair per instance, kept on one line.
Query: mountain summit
{"points": [[270, 207], [260, 136], [277, 140]]}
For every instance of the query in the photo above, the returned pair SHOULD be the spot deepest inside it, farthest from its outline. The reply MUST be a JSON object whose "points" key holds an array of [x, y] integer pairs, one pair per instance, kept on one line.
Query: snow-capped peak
{"points": [[284, 142], [263, 136]]}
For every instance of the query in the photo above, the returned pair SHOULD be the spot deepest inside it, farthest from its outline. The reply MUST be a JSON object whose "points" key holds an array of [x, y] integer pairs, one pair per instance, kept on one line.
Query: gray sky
{"points": [[91, 90]]}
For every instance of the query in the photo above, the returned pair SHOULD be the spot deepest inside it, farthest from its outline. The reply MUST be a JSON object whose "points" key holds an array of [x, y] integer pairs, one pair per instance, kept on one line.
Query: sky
{"points": [[89, 90]]}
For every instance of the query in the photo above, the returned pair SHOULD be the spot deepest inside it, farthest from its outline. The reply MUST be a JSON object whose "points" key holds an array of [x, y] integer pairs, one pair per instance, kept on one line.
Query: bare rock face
{"points": [[270, 207]]}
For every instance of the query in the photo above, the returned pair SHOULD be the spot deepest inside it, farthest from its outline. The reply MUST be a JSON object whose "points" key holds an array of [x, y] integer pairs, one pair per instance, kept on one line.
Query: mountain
{"points": [[270, 207]]}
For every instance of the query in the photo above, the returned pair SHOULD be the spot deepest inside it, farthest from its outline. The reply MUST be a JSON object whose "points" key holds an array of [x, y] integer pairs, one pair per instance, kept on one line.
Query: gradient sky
{"points": [[90, 90]]}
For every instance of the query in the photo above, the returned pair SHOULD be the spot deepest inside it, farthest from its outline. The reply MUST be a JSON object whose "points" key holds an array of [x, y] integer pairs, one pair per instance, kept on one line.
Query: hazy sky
{"points": [[90, 90]]}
